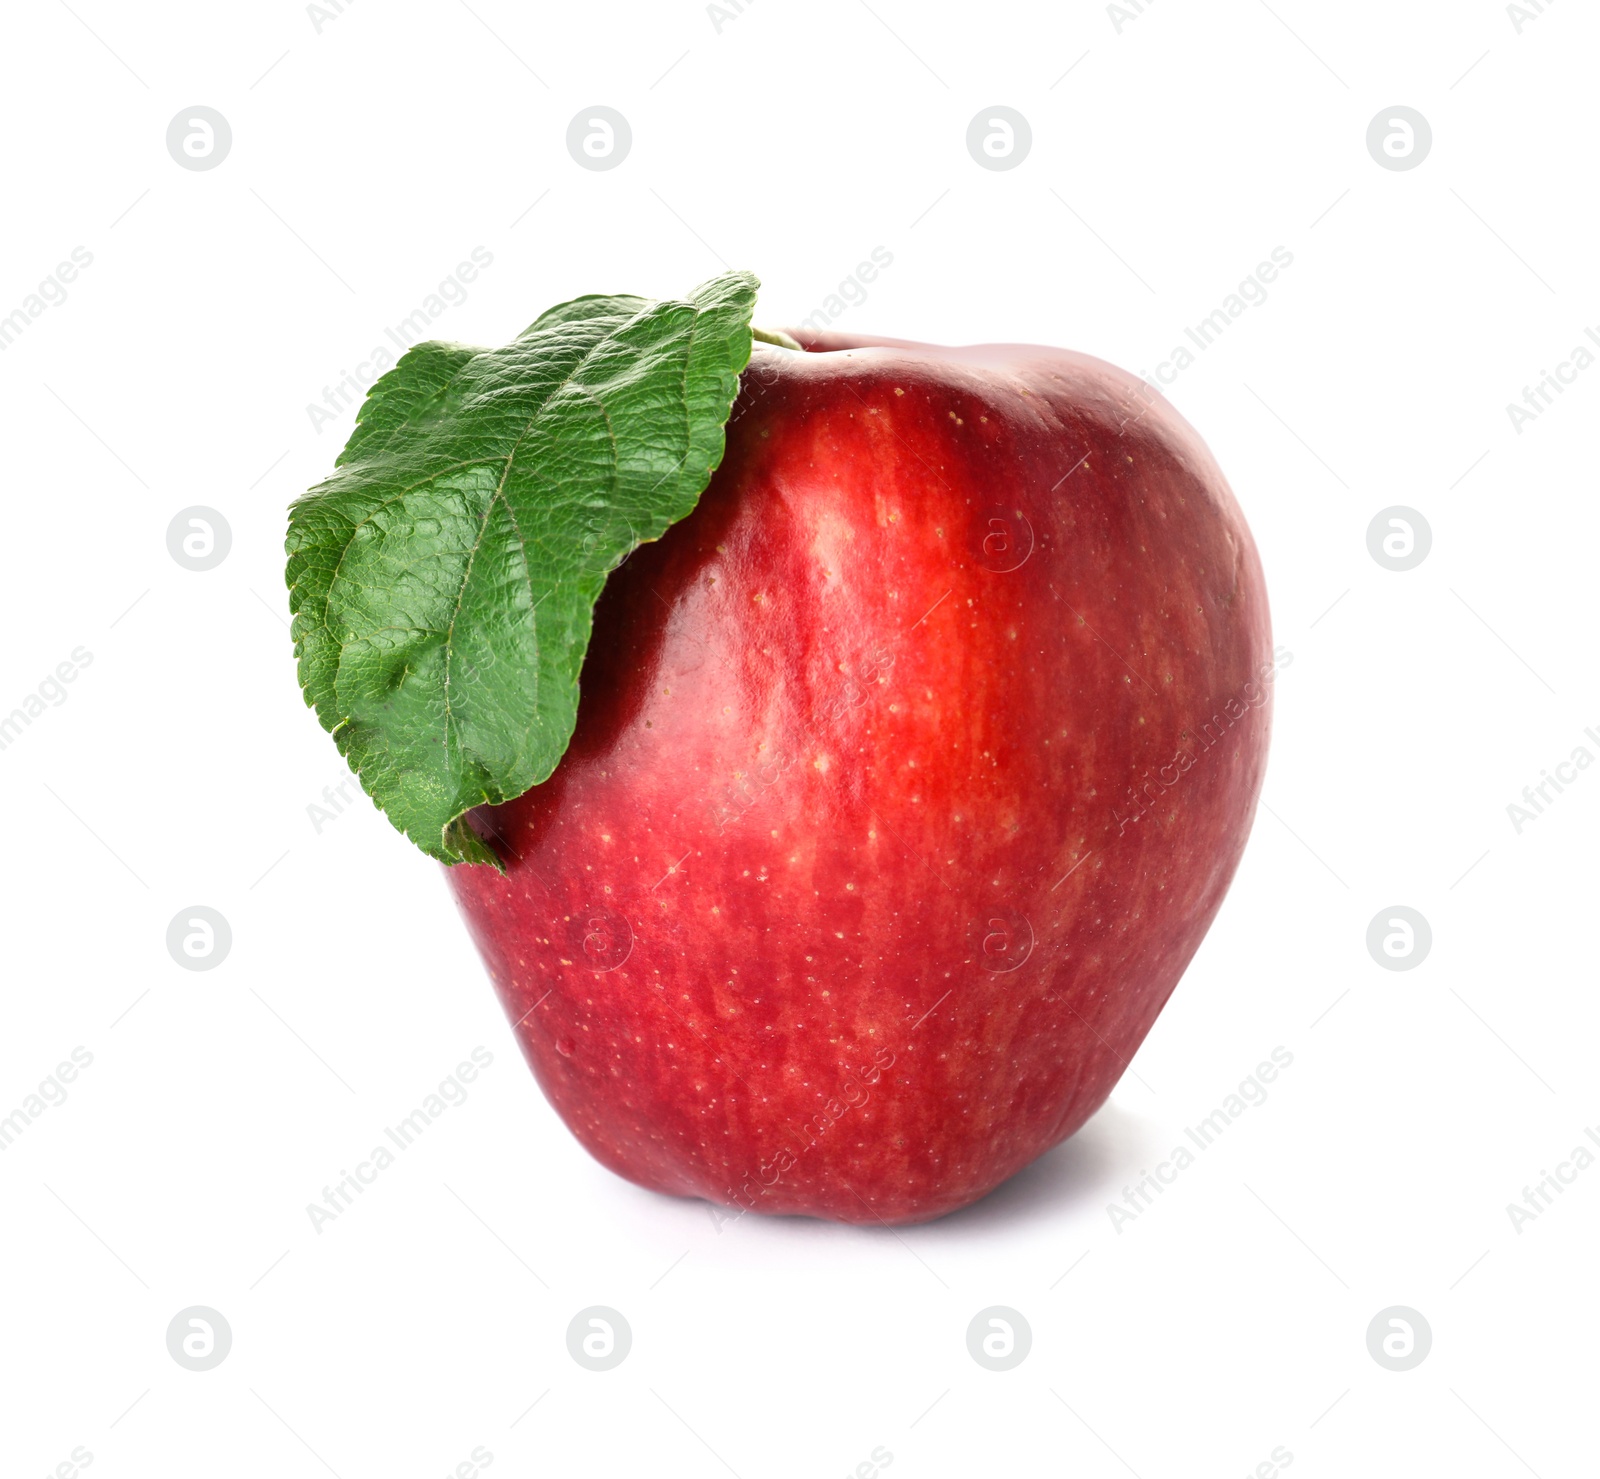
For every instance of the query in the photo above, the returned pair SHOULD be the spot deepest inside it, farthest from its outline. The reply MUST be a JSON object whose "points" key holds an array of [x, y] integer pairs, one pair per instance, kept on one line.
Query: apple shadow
{"points": [[1090, 1167], [1087, 1170]]}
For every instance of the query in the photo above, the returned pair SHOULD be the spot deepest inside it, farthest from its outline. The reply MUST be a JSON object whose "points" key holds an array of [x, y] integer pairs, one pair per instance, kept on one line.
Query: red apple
{"points": [[910, 770]]}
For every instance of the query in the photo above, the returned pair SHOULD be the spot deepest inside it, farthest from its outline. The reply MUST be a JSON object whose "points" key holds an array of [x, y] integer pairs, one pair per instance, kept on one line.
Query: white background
{"points": [[369, 157]]}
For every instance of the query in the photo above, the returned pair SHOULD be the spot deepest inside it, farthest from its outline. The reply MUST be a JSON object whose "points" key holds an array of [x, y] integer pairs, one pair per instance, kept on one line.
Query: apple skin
{"points": [[909, 772]]}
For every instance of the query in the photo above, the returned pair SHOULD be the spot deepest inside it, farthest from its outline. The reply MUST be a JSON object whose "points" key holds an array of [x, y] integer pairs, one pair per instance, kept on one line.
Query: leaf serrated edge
{"points": [[458, 841]]}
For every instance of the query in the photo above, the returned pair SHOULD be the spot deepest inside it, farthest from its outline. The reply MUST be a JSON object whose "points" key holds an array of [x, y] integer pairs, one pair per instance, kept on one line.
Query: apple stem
{"points": [[776, 336]]}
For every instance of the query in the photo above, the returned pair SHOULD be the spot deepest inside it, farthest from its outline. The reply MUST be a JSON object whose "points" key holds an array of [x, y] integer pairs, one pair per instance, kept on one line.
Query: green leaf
{"points": [[443, 580]]}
